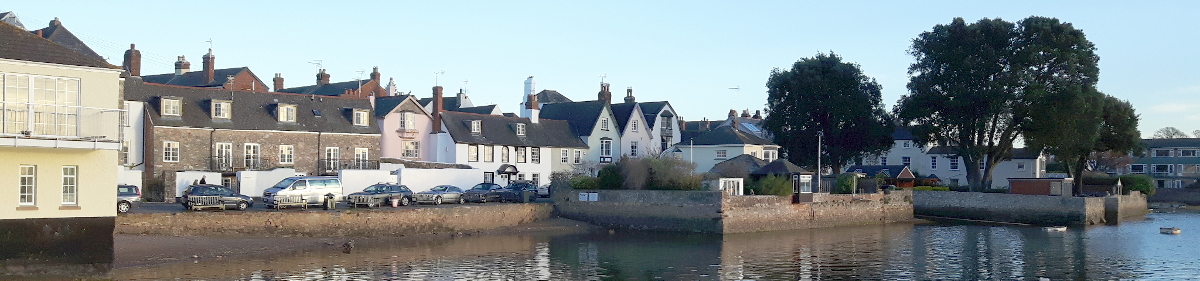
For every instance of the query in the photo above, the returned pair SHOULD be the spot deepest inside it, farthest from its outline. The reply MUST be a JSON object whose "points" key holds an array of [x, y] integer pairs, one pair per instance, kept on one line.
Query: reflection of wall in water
{"points": [[623, 255], [861, 252]]}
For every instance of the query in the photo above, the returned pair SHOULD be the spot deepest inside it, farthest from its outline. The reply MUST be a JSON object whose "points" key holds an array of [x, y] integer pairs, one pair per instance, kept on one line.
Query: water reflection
{"points": [[1133, 250]]}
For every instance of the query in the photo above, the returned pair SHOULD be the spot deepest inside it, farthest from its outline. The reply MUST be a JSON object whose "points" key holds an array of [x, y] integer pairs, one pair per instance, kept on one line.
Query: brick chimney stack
{"points": [[278, 81], [629, 95], [604, 94], [133, 61], [210, 69], [322, 78], [437, 109], [182, 66], [375, 74]]}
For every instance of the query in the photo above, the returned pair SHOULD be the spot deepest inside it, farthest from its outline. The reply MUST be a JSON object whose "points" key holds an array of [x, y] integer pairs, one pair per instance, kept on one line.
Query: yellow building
{"points": [[60, 136]]}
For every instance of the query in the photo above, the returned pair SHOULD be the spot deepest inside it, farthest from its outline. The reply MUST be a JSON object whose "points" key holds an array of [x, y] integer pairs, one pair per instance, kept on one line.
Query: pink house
{"points": [[405, 127]]}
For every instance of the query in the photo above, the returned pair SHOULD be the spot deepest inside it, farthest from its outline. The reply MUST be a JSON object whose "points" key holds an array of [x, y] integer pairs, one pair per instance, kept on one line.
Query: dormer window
{"points": [[221, 109], [476, 127], [520, 129], [286, 113], [360, 117], [171, 106]]}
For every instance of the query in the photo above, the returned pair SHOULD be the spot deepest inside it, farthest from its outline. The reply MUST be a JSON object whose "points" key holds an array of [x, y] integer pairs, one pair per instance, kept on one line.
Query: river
{"points": [[900, 251]]}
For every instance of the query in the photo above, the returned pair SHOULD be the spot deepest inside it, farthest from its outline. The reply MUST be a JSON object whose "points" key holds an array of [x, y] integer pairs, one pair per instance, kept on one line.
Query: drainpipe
{"points": [[318, 168]]}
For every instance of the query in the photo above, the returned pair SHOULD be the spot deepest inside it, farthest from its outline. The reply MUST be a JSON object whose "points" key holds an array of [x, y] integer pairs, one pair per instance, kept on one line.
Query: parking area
{"points": [[155, 207]]}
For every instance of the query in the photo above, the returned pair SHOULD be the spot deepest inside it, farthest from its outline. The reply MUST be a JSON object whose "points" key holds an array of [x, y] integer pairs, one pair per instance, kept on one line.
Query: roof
{"points": [[448, 103], [499, 130], [196, 78], [902, 133], [582, 115], [331, 89], [622, 112], [1178, 142], [727, 135], [552, 96], [1017, 153], [751, 163], [779, 167], [486, 109], [11, 18], [59, 34], [895, 171], [651, 110], [251, 110], [385, 105], [18, 44]]}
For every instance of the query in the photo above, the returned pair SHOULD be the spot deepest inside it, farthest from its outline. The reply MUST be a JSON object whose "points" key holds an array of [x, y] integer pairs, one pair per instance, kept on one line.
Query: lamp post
{"points": [[820, 170]]}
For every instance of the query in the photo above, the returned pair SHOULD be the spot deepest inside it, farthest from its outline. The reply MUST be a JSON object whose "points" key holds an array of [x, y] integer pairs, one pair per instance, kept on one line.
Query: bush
{"points": [[635, 173], [610, 177], [773, 185], [585, 182], [669, 173], [932, 188], [1138, 182], [845, 183]]}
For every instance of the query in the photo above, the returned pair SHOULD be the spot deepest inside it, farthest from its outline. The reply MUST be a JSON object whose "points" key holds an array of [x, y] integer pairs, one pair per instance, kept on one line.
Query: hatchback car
{"points": [[379, 194], [200, 196], [441, 194], [128, 197]]}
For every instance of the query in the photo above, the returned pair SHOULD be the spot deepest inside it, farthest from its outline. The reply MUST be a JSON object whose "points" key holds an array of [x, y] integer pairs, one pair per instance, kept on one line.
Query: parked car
{"points": [[380, 194], [128, 197], [441, 194], [522, 191], [199, 196], [483, 192], [303, 190]]}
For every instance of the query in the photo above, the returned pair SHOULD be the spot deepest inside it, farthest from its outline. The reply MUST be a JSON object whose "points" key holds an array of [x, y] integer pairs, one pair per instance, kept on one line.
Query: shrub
{"points": [[669, 173], [610, 177], [560, 180], [635, 172], [845, 183], [584, 182], [1138, 182], [773, 185], [932, 188]]}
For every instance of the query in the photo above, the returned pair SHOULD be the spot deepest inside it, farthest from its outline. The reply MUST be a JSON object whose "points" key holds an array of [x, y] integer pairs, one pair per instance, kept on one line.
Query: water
{"points": [[1133, 250]]}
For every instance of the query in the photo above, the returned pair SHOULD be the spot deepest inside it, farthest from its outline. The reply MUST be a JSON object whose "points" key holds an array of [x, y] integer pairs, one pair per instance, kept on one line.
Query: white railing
{"points": [[60, 122], [280, 201], [200, 202]]}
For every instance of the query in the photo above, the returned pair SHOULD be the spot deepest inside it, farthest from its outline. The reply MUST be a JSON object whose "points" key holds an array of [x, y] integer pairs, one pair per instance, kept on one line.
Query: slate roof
{"points": [[779, 167], [59, 34], [622, 111], [251, 110], [1179, 142], [902, 133], [582, 115], [727, 135], [552, 96], [500, 130], [448, 103], [331, 89], [18, 44], [486, 109], [650, 111], [1017, 153], [196, 78], [751, 163], [872, 170], [385, 105]]}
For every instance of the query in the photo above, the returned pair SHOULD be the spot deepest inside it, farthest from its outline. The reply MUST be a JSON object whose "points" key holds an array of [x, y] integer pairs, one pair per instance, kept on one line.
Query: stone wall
{"points": [[769, 213], [56, 246], [694, 211], [361, 222], [1185, 196], [1120, 207], [1028, 209]]}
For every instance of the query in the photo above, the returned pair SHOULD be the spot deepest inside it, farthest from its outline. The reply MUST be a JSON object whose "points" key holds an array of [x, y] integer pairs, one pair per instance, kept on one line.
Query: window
{"points": [[476, 127], [170, 151], [1020, 166], [287, 154], [1189, 153], [70, 185], [1137, 169], [171, 107], [360, 118], [520, 129], [1162, 153], [1164, 168], [883, 160], [578, 156], [535, 178], [407, 122], [362, 158], [605, 148], [722, 153], [633, 125], [604, 123], [504, 154], [286, 113], [28, 185], [472, 153], [754, 154], [521, 154], [252, 155], [633, 148], [933, 162], [222, 156], [954, 163], [125, 151], [221, 109], [488, 154], [535, 155], [906, 161], [907, 144], [40, 105], [564, 155], [412, 149], [521, 176]]}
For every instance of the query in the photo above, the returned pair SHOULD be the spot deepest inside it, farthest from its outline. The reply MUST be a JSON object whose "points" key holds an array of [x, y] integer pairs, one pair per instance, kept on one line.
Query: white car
{"points": [[311, 189]]}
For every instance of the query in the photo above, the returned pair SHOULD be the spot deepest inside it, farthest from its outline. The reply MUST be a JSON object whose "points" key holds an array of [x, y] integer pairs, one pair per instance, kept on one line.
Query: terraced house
{"points": [[1171, 163]]}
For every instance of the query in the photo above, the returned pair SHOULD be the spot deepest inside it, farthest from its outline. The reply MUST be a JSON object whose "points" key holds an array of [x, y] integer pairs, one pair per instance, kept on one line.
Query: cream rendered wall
{"points": [[98, 88], [97, 184]]}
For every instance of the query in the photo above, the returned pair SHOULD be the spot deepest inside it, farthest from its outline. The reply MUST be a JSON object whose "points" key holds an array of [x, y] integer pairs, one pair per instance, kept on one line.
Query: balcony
{"points": [[60, 126], [407, 133], [234, 164], [332, 166]]}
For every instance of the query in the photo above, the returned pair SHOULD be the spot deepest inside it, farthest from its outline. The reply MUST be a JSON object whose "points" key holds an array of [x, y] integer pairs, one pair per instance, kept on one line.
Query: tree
{"points": [[1169, 133], [822, 94], [978, 87]]}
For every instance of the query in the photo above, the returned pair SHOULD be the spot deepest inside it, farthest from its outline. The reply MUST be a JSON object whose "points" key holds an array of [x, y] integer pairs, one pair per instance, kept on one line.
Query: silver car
{"points": [[128, 197], [441, 194]]}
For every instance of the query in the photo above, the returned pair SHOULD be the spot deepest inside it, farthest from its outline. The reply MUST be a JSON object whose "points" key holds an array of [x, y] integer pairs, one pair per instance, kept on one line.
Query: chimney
{"points": [[375, 74], [629, 95], [733, 113], [210, 73], [278, 82], [322, 78], [437, 109], [757, 114], [604, 94], [746, 113], [133, 61], [182, 66], [531, 109]]}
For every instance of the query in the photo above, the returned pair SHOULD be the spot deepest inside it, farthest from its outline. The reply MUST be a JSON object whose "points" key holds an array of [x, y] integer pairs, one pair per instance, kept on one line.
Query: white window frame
{"points": [[1141, 168], [223, 154], [578, 156], [953, 163], [1020, 166], [565, 156], [286, 113], [521, 154], [906, 161], [605, 148], [476, 127], [1170, 168], [27, 185], [535, 178], [1155, 153], [535, 155], [362, 156], [287, 154], [412, 149], [333, 155], [1192, 152], [472, 153], [604, 123], [70, 185], [907, 144], [222, 109], [933, 162], [520, 129], [634, 125], [361, 118], [489, 153], [633, 148], [171, 106], [721, 154], [171, 151], [251, 155], [125, 151], [408, 121], [504, 154], [883, 161]]}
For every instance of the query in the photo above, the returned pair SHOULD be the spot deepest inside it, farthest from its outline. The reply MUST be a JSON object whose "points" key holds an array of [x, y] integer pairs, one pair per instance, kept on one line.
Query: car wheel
{"points": [[123, 207], [243, 205], [462, 200], [437, 200], [482, 199], [404, 201]]}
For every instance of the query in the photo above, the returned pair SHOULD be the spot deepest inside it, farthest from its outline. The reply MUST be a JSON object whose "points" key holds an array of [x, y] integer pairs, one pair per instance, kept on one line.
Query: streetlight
{"points": [[819, 169]]}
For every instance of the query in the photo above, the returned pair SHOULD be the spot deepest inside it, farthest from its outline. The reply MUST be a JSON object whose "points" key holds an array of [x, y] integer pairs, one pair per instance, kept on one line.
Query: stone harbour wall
{"points": [[743, 214], [355, 223], [671, 210], [1028, 209]]}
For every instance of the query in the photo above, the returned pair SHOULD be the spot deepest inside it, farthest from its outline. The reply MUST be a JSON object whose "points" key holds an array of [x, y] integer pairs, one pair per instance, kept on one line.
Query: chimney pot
{"points": [[322, 78], [182, 66], [604, 94], [278, 81]]}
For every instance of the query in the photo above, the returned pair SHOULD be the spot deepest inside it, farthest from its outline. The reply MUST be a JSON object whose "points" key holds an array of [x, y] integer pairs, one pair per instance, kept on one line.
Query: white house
{"points": [[720, 144], [636, 136], [942, 162], [594, 123]]}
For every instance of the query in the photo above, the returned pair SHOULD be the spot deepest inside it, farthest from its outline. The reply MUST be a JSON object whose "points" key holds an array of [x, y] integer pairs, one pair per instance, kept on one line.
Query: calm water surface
{"points": [[1133, 250]]}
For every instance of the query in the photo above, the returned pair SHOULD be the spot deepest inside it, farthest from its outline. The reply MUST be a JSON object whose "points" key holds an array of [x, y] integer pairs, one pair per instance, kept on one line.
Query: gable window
{"points": [[252, 155], [407, 122], [1162, 153], [1021, 167], [564, 155], [954, 163], [287, 154], [634, 126], [504, 154], [28, 185], [286, 113], [633, 148], [535, 155], [170, 151], [1137, 168], [472, 153], [412, 149], [604, 123], [360, 118], [883, 160], [906, 161], [520, 129], [171, 106], [578, 156], [521, 154], [221, 109], [70, 185], [1189, 153], [933, 162], [722, 153], [488, 153], [476, 127], [907, 144]]}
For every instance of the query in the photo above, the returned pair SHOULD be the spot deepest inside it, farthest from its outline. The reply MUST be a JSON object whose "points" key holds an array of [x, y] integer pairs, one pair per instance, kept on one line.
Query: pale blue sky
{"points": [[687, 52]]}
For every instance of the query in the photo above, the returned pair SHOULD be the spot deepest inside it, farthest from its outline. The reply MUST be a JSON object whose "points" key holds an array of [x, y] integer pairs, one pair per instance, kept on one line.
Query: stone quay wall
{"points": [[1027, 209], [1180, 195], [348, 223], [712, 212]]}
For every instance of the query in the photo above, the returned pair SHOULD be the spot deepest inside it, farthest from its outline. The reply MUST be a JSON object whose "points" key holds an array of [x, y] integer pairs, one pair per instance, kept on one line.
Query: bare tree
{"points": [[1169, 133]]}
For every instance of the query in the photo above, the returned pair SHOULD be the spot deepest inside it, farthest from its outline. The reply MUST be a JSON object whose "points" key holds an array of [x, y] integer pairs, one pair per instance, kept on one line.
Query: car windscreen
{"points": [[285, 183], [376, 188], [482, 187], [126, 190], [439, 188]]}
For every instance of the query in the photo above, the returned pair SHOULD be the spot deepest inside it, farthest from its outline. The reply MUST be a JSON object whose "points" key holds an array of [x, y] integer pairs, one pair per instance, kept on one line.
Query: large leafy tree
{"points": [[824, 95], [978, 88]]}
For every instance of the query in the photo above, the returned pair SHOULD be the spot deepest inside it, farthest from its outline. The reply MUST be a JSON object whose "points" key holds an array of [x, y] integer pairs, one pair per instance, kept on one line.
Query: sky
{"points": [[690, 53]]}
